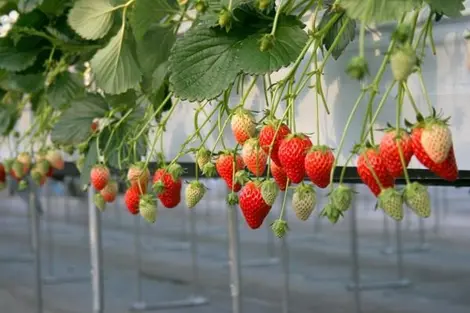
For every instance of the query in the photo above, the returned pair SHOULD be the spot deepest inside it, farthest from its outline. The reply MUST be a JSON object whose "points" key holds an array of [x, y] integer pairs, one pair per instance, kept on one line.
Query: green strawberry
{"points": [[303, 201], [416, 197], [402, 63], [341, 197], [98, 200], [148, 208], [22, 185], [357, 68], [391, 202], [279, 228], [194, 193], [203, 156], [269, 191], [17, 169]]}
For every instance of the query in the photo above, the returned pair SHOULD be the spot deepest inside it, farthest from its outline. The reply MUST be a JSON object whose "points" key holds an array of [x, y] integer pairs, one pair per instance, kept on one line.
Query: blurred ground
{"points": [[319, 256]]}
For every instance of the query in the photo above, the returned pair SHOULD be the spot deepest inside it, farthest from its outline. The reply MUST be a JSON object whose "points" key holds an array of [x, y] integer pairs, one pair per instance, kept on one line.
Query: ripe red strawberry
{"points": [[253, 207], [243, 125], [268, 136], [132, 198], [110, 191], [99, 176], [254, 157], [446, 170], [292, 154], [2, 173], [168, 188], [370, 160], [390, 153], [225, 168], [94, 125], [318, 164], [138, 174], [279, 175], [55, 159]]}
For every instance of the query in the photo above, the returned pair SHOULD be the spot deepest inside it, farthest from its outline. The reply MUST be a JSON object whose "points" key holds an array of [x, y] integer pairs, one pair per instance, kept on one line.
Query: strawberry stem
{"points": [[410, 96], [424, 90], [284, 201], [397, 142]]}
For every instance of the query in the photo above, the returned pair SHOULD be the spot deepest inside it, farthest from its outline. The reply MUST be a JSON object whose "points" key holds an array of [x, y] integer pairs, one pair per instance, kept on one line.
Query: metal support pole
{"points": [[355, 270], [285, 272], [234, 260], [95, 255], [36, 239], [138, 261]]}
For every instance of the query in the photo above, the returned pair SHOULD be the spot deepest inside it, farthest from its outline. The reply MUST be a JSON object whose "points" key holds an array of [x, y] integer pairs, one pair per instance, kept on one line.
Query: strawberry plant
{"points": [[104, 79]]}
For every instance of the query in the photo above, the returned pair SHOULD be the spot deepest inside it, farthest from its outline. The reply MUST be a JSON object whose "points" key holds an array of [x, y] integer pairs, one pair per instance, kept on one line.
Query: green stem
{"points": [[159, 109], [398, 132], [362, 35], [276, 17], [345, 166], [424, 90], [284, 201], [247, 93], [410, 96]]}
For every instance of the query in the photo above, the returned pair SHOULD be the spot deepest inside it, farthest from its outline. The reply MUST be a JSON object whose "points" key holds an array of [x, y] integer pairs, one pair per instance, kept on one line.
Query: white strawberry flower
{"points": [[13, 15]]}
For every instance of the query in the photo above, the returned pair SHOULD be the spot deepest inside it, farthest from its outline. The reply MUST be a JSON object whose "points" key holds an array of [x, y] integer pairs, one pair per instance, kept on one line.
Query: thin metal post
{"points": [[194, 252], [50, 238], [285, 272], [234, 260], [355, 270], [138, 260], [36, 239], [95, 255]]}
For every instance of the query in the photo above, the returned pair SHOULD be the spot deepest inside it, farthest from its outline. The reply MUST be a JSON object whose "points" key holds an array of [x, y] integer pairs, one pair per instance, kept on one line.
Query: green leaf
{"points": [[147, 13], [65, 88], [4, 120], [27, 83], [74, 125], [13, 60], [205, 61], [125, 100], [290, 39], [115, 67], [346, 37], [90, 160], [378, 10], [26, 6], [91, 19], [154, 48], [451, 8]]}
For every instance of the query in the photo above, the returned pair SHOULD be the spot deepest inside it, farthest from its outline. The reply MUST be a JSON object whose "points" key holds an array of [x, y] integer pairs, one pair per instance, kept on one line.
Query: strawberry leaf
{"points": [[451, 8], [347, 36], [378, 10], [11, 59], [74, 125], [66, 87], [26, 6], [91, 19], [146, 13]]}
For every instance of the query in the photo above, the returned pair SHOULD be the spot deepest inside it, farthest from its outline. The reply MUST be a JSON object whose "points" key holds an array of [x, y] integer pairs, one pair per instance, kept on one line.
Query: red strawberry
{"points": [[168, 188], [132, 198], [370, 160], [110, 191], [390, 154], [138, 174], [253, 207], [2, 173], [318, 164], [94, 125], [292, 154], [50, 172], [254, 157], [436, 139], [447, 170], [99, 176], [243, 125], [225, 168], [279, 175], [268, 135], [55, 159]]}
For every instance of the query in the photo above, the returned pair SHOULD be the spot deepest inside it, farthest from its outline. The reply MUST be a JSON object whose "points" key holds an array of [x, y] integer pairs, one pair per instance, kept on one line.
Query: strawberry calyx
{"points": [[279, 227], [232, 199], [321, 148], [331, 212], [175, 170], [209, 169], [241, 177]]}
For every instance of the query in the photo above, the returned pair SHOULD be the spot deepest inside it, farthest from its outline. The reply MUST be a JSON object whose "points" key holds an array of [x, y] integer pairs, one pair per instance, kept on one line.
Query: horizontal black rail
{"points": [[423, 176]]}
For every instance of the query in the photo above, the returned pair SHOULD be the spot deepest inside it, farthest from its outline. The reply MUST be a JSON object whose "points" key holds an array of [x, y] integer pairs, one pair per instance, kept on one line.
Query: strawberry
{"points": [[341, 197], [25, 159], [225, 168], [254, 157], [94, 125], [38, 177], [8, 163], [253, 207], [203, 156], [17, 170], [99, 176], [318, 165], [269, 192], [131, 198], [268, 137], [371, 168], [279, 175], [416, 197], [279, 227], [43, 167], [243, 125], [167, 187], [436, 140], [194, 193], [402, 63], [303, 201], [138, 174], [292, 152], [110, 191], [447, 170], [99, 202], [390, 154], [55, 159], [148, 208], [50, 172], [391, 202], [2, 173]]}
